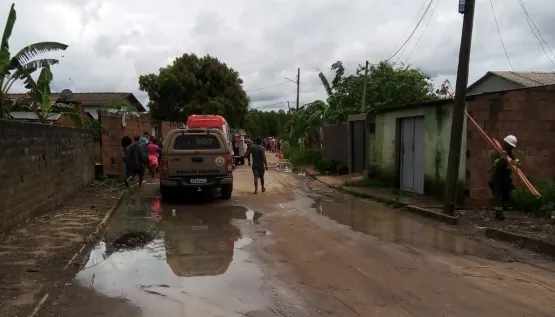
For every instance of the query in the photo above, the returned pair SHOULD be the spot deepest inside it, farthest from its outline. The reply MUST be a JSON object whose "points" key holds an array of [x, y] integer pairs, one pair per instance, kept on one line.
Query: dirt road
{"points": [[298, 249]]}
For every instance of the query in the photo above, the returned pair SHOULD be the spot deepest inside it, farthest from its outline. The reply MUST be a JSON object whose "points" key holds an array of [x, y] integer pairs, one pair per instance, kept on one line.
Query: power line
{"points": [[408, 27], [423, 31], [500, 37], [262, 88], [270, 105], [412, 33], [406, 46], [530, 23]]}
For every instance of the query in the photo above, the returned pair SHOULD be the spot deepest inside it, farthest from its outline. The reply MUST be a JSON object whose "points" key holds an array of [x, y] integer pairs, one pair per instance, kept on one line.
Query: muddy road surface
{"points": [[299, 249]]}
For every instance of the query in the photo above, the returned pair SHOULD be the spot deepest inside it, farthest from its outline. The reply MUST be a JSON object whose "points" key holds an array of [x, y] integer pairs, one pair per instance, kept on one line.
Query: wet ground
{"points": [[298, 249]]}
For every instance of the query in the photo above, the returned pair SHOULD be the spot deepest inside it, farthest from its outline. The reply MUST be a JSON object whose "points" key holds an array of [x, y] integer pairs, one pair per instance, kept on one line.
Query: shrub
{"points": [[544, 206], [326, 166], [299, 156]]}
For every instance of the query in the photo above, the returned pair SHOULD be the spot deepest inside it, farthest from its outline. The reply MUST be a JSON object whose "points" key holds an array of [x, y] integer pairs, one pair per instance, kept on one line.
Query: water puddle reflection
{"points": [[397, 227], [193, 263]]}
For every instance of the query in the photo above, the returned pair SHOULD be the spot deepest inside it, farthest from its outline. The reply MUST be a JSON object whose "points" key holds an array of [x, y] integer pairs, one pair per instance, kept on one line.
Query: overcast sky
{"points": [[112, 42]]}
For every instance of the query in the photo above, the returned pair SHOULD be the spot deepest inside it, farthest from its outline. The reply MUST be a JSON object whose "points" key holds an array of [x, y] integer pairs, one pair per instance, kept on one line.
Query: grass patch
{"points": [[543, 207]]}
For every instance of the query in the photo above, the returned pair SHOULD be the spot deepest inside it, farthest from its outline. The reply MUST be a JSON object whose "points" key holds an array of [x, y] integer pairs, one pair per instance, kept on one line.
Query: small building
{"points": [[507, 80], [92, 102], [408, 146]]}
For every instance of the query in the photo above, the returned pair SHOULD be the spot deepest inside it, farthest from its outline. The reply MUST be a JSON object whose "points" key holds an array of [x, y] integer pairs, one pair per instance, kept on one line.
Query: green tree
{"points": [[193, 85], [387, 86], [390, 86], [41, 102], [121, 106], [20, 65], [266, 123]]}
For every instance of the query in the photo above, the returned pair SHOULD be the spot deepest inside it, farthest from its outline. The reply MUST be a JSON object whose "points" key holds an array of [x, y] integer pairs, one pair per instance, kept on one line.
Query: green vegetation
{"points": [[300, 156], [266, 123], [387, 86], [41, 103], [542, 207], [193, 85], [22, 64]]}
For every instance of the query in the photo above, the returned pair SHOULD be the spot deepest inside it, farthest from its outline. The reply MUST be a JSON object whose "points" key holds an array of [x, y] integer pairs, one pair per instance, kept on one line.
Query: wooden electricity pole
{"points": [[298, 85], [466, 7], [364, 86]]}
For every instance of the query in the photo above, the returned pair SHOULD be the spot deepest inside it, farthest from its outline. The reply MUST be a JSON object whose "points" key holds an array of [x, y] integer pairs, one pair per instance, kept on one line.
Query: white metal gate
{"points": [[412, 154]]}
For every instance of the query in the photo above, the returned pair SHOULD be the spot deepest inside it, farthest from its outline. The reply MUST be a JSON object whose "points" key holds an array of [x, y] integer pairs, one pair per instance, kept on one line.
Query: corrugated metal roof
{"points": [[528, 79], [89, 98]]}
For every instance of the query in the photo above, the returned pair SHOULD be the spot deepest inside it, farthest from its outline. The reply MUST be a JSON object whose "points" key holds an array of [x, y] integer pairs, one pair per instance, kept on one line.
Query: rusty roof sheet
{"points": [[90, 98]]}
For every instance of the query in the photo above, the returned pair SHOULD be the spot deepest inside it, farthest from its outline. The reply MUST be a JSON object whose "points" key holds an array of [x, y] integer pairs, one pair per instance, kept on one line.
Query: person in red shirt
{"points": [[152, 153]]}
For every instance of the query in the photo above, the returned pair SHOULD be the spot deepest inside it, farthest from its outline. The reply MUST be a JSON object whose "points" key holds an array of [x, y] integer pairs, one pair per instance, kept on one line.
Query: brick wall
{"points": [[40, 167], [113, 131], [529, 114]]}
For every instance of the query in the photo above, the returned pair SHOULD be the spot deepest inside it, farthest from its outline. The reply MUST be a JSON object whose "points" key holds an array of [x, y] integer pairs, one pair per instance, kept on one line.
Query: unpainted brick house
{"points": [[408, 146], [115, 126]]}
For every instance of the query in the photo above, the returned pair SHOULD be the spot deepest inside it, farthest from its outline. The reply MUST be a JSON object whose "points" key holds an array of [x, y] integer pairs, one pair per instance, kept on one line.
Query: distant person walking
{"points": [[137, 160], [152, 152], [259, 163], [125, 143], [249, 144]]}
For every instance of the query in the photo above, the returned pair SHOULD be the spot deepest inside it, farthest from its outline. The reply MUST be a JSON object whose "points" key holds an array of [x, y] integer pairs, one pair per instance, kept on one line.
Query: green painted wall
{"points": [[437, 125]]}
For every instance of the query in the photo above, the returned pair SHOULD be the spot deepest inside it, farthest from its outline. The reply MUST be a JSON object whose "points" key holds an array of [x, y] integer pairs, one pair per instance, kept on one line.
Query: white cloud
{"points": [[112, 42]]}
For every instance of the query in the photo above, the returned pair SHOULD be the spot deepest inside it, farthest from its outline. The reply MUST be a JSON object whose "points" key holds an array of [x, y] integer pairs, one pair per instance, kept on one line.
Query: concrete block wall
{"points": [[41, 166], [529, 114]]}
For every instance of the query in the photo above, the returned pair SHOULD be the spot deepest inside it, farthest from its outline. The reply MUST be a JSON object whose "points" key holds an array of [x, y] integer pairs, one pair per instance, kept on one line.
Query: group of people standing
{"points": [[140, 154], [273, 145]]}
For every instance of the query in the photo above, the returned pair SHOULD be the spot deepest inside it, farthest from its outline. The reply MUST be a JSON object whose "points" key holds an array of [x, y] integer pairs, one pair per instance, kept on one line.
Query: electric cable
{"points": [[262, 88], [423, 31], [531, 24], [408, 28], [500, 37], [413, 31]]}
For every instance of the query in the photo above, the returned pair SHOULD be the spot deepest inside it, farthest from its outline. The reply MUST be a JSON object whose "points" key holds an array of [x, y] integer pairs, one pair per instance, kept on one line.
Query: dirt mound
{"points": [[132, 240]]}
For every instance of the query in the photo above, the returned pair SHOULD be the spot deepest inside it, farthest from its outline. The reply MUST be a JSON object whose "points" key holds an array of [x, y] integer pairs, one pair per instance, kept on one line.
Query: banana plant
{"points": [[22, 64], [41, 103]]}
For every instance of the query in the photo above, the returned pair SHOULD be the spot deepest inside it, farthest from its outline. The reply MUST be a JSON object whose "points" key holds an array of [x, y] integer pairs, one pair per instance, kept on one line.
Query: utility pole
{"points": [[364, 86], [466, 7], [298, 85], [288, 105]]}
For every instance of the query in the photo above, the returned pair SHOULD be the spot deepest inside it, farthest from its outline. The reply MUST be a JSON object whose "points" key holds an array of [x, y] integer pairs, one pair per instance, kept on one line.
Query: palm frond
{"points": [[26, 54], [326, 83], [10, 22]]}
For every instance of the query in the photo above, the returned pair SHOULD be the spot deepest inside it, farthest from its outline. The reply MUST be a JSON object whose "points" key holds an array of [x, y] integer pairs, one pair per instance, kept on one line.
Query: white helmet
{"points": [[511, 140]]}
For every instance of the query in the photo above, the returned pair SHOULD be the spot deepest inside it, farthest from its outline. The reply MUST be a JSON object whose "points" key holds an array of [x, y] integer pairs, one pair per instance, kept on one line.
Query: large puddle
{"points": [[193, 263], [399, 227]]}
